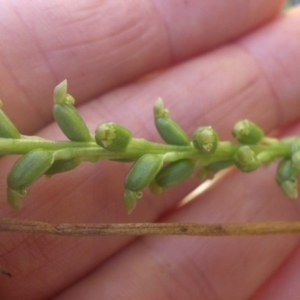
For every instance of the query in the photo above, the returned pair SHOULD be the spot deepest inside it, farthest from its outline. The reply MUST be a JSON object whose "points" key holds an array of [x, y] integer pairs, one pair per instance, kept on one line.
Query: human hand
{"points": [[210, 69]]}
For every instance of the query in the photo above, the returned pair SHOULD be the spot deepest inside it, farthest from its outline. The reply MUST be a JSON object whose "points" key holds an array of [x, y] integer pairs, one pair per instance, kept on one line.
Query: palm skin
{"points": [[213, 64]]}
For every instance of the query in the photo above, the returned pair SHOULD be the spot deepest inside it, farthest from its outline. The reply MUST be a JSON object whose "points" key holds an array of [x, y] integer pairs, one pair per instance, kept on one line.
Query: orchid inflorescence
{"points": [[156, 165]]}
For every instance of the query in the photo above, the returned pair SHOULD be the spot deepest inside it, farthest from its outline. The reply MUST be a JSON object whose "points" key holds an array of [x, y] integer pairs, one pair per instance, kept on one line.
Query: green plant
{"points": [[155, 164]]}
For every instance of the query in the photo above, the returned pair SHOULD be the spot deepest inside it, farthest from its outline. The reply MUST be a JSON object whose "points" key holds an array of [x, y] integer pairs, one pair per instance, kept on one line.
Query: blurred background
{"points": [[290, 3]]}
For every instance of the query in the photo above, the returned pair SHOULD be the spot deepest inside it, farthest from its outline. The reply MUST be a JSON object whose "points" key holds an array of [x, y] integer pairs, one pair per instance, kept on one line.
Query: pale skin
{"points": [[213, 64]]}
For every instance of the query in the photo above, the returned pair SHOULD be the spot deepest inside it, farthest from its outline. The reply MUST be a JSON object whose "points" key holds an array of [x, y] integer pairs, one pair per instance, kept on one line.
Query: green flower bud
{"points": [[63, 165], [169, 130], [220, 165], [13, 198], [245, 159], [29, 168], [174, 173], [205, 174], [205, 139], [209, 171], [67, 116], [71, 123], [143, 171], [247, 132], [7, 128], [159, 110], [286, 177], [155, 188], [296, 160], [294, 144], [25, 171], [129, 200], [112, 136], [286, 171], [60, 93], [290, 188]]}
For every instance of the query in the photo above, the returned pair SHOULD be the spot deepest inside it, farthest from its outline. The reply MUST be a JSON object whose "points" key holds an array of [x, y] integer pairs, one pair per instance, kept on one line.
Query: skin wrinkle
{"points": [[280, 278], [207, 24], [39, 111], [35, 40], [44, 41], [166, 31], [274, 96]]}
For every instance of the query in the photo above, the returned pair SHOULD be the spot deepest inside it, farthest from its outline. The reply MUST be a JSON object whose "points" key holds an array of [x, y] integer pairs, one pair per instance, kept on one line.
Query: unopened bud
{"points": [[25, 171], [174, 173], [247, 132], [67, 116], [290, 188], [60, 92], [205, 139], [62, 165], [112, 136], [245, 159], [286, 171], [296, 160], [143, 171], [129, 200], [220, 165], [168, 129], [205, 174]]}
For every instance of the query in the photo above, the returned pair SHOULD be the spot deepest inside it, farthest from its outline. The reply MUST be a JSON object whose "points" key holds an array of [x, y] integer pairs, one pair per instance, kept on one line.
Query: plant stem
{"points": [[90, 151], [143, 229]]}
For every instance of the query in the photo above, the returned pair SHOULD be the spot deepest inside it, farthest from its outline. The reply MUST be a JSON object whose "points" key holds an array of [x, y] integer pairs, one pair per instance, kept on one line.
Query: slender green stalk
{"points": [[90, 151]]}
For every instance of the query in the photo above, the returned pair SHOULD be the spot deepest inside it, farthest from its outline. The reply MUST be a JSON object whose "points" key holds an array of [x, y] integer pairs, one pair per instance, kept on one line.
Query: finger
{"points": [[198, 267], [98, 46], [284, 282], [88, 189], [234, 82]]}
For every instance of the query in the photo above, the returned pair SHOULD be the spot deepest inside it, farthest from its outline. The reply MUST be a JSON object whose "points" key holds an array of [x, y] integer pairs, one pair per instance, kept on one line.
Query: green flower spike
{"points": [[140, 175], [67, 116], [205, 139], [245, 159], [112, 136], [169, 130], [286, 177], [247, 132], [174, 173], [7, 128], [25, 171]]}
